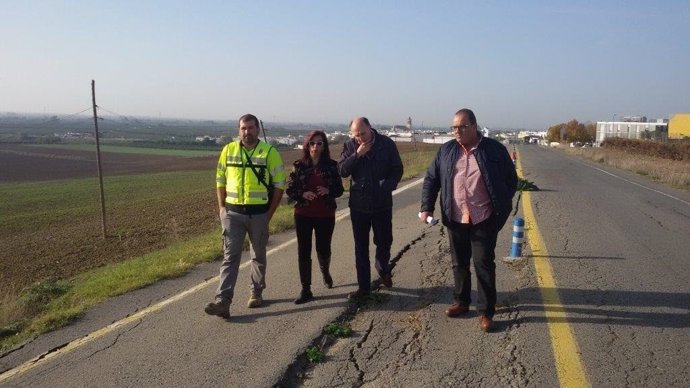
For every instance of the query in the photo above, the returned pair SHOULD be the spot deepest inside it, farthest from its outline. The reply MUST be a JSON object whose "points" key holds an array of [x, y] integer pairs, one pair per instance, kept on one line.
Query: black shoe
{"points": [[304, 296], [360, 293], [327, 280], [387, 280], [220, 309]]}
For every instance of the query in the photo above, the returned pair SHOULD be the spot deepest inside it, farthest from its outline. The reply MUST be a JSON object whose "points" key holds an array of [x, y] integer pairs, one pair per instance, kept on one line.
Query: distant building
{"points": [[438, 139], [634, 119], [288, 140], [679, 126], [632, 130]]}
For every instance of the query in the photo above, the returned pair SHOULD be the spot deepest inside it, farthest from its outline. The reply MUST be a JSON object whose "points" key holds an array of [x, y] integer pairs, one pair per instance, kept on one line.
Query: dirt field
{"points": [[72, 247], [25, 163]]}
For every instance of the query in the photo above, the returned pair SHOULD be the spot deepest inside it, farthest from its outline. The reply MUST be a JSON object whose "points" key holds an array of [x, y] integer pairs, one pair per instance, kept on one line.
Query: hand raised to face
{"points": [[364, 148]]}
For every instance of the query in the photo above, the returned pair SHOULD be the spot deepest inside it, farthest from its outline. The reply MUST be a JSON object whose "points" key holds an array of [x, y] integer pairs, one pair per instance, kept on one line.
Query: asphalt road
{"points": [[616, 244]]}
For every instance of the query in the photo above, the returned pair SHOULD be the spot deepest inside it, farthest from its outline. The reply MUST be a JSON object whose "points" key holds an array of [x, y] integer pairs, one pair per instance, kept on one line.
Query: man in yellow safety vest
{"points": [[249, 185]]}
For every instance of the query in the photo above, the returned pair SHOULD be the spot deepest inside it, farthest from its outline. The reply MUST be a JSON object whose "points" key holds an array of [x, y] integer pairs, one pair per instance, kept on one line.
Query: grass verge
{"points": [[90, 288], [416, 162], [52, 303], [671, 172]]}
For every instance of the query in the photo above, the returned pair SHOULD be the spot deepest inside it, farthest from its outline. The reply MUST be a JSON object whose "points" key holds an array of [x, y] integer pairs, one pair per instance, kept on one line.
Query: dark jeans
{"points": [[382, 225], [478, 242], [323, 230]]}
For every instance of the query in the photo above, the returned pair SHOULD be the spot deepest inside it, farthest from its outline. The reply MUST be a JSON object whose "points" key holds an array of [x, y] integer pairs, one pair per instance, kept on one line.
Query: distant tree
{"points": [[572, 131], [23, 137], [554, 132], [208, 142], [575, 132], [339, 139], [591, 129]]}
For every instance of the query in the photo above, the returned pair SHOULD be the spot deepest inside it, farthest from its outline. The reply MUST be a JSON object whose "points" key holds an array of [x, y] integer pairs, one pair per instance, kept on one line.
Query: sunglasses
{"points": [[316, 143]]}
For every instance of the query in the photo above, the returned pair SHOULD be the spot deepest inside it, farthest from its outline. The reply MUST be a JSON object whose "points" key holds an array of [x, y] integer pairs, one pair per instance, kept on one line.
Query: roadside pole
{"points": [[98, 158]]}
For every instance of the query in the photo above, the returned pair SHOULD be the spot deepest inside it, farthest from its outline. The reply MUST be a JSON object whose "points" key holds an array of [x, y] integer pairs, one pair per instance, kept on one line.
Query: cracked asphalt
{"points": [[408, 341]]}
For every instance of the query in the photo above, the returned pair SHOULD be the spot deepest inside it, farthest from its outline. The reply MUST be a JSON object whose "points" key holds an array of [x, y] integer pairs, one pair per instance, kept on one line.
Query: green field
{"points": [[37, 205], [132, 150]]}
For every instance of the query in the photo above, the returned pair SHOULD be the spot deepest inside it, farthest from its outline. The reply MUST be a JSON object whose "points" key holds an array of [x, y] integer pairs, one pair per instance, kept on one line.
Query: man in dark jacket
{"points": [[373, 164], [477, 181]]}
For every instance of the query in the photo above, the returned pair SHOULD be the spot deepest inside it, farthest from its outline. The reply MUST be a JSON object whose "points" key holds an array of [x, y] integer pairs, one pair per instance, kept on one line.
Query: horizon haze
{"points": [[524, 65]]}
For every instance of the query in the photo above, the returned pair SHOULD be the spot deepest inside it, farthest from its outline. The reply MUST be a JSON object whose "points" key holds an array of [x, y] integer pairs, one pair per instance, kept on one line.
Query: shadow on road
{"points": [[609, 307], [578, 257]]}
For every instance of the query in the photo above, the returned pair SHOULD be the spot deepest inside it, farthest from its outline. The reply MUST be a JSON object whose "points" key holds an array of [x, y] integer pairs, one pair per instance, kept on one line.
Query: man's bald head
{"points": [[360, 130]]}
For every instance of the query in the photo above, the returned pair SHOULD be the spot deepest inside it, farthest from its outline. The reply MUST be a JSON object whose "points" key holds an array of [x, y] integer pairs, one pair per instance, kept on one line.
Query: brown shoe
{"points": [[387, 280], [360, 293], [255, 299], [486, 323], [218, 308], [456, 309]]}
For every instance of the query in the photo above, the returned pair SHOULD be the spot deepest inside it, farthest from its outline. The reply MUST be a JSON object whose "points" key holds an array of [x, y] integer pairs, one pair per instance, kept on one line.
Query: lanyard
{"points": [[247, 155]]}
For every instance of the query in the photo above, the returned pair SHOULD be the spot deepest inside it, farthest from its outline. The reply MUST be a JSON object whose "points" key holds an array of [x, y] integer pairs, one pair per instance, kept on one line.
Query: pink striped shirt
{"points": [[471, 202]]}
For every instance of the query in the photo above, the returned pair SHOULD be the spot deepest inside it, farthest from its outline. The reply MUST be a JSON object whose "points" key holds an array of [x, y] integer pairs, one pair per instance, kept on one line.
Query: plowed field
{"points": [[50, 213], [26, 163]]}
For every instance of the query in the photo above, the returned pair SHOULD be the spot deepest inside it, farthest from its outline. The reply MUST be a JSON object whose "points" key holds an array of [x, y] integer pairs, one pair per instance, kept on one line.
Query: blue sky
{"points": [[517, 64]]}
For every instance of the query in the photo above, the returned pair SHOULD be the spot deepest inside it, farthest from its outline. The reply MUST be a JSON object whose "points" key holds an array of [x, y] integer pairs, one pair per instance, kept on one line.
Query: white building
{"points": [[632, 130]]}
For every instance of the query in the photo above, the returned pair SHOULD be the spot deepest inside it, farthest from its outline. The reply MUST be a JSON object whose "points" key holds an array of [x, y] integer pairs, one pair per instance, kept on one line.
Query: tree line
{"points": [[572, 131]]}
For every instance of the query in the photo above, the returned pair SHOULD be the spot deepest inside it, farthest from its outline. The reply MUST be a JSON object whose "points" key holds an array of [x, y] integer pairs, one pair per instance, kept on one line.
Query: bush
{"points": [[40, 294], [673, 151]]}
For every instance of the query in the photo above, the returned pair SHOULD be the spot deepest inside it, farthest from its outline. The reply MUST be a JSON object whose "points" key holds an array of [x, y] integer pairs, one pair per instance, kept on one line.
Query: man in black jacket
{"points": [[477, 181], [373, 164]]}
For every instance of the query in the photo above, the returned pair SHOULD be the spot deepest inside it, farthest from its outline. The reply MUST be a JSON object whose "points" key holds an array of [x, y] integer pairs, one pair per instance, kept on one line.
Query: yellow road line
{"points": [[40, 359], [571, 372]]}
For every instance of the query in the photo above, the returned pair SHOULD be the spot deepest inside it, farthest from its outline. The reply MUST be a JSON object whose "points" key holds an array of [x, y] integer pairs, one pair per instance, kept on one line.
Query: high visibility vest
{"points": [[242, 186]]}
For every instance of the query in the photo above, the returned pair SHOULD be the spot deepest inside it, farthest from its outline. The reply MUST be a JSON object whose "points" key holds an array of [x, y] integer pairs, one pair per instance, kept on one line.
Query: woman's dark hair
{"points": [[325, 153]]}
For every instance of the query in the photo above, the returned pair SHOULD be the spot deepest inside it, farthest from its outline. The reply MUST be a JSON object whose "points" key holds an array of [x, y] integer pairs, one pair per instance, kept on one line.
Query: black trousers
{"points": [[382, 225], [323, 231], [479, 243]]}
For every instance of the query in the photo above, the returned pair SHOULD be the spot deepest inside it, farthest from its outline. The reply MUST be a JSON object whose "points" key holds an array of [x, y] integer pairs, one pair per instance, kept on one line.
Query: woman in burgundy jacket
{"points": [[313, 186]]}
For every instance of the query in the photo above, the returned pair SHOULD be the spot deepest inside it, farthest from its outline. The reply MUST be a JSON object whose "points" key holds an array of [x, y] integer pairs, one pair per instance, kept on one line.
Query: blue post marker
{"points": [[518, 238]]}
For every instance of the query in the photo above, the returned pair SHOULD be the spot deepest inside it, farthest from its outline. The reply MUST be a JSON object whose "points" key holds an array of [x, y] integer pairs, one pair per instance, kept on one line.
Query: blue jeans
{"points": [[382, 225]]}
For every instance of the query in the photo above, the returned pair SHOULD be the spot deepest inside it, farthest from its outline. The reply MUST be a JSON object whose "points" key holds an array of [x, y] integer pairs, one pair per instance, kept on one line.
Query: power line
{"points": [[51, 121], [111, 112]]}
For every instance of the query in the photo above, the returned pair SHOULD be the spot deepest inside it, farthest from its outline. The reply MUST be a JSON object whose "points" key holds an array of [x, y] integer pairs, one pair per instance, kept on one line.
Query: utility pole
{"points": [[98, 157]]}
